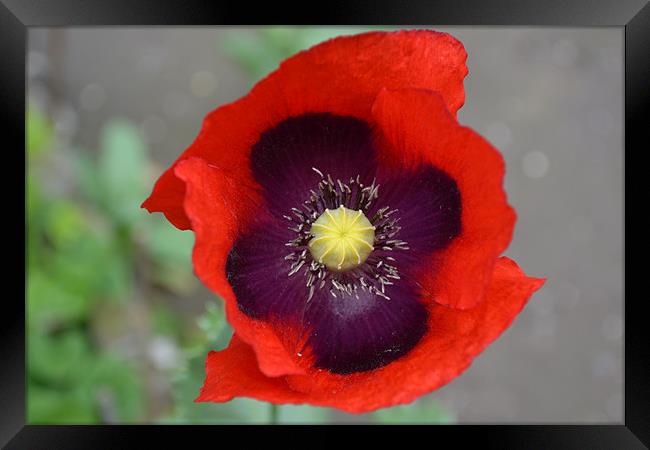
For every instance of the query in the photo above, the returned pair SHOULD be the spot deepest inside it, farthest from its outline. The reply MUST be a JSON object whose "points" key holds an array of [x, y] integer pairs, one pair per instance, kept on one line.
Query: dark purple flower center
{"points": [[369, 314]]}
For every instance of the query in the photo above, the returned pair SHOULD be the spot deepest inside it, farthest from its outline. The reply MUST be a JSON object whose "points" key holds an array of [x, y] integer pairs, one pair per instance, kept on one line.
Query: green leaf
{"points": [[39, 132], [171, 252], [54, 406], [35, 220], [165, 322], [303, 414], [93, 266], [65, 223], [252, 54], [212, 322], [117, 388], [123, 170], [261, 52], [294, 39], [61, 359], [237, 411], [167, 244], [85, 169], [188, 380], [186, 388], [424, 411], [49, 304], [311, 36]]}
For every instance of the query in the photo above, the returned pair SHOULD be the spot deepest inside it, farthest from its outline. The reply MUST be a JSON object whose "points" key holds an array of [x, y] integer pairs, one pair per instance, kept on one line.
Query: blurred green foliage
{"points": [[104, 279], [86, 245], [260, 52]]}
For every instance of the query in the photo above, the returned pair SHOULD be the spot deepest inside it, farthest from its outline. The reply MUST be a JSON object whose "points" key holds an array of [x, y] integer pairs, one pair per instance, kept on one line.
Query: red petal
{"points": [[233, 372], [456, 338], [340, 76], [214, 203], [417, 127]]}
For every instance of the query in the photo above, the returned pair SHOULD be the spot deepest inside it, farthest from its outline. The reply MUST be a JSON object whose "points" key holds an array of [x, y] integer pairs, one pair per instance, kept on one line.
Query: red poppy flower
{"points": [[351, 225]]}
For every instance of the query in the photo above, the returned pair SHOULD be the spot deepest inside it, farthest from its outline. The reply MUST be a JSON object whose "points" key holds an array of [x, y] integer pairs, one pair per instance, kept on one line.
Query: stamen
{"points": [[335, 241]]}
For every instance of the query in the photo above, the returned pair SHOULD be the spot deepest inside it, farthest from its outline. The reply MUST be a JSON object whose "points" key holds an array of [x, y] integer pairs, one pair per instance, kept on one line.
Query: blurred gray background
{"points": [[551, 99]]}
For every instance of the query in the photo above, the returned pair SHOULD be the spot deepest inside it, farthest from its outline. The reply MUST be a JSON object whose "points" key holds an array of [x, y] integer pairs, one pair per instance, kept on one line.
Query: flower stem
{"points": [[273, 414]]}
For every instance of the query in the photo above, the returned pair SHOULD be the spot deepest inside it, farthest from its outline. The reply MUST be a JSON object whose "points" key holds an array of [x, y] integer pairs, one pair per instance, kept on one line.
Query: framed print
{"points": [[416, 216]]}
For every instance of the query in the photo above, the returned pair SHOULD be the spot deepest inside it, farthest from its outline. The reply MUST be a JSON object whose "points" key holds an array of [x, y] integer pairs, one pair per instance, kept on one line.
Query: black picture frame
{"points": [[16, 16]]}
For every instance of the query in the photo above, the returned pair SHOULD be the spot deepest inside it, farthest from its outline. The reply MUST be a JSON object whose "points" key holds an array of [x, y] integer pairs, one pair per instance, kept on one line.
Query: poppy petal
{"points": [[341, 76], [416, 128], [455, 338], [428, 204], [284, 159], [357, 333], [213, 202], [234, 372]]}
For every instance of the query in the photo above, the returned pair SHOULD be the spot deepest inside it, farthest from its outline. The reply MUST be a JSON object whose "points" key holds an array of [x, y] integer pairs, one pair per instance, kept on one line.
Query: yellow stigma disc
{"points": [[343, 239]]}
